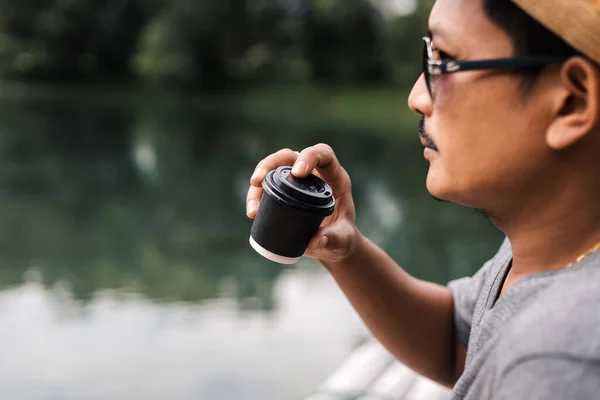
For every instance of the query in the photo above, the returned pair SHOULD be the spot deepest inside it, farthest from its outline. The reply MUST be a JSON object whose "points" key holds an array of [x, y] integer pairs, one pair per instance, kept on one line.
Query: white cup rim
{"points": [[269, 255]]}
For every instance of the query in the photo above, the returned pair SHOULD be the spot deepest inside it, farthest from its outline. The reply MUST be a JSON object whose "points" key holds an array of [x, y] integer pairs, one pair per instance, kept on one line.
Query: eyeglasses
{"points": [[433, 67]]}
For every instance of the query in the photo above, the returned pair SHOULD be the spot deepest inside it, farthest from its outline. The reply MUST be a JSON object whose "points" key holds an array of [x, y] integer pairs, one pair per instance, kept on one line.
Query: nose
{"points": [[419, 99]]}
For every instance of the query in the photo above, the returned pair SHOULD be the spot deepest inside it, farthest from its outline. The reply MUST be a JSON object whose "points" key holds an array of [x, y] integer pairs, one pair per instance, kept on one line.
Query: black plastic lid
{"points": [[310, 194]]}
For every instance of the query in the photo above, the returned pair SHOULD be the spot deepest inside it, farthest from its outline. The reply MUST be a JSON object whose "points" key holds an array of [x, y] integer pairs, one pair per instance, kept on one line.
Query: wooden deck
{"points": [[371, 373]]}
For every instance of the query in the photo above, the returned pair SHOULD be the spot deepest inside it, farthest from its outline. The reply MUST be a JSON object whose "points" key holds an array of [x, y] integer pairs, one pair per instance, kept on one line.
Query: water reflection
{"points": [[126, 347], [124, 238]]}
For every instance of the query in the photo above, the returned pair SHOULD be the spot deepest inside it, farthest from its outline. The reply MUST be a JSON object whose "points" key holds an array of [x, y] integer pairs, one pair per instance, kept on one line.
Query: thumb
{"points": [[334, 238]]}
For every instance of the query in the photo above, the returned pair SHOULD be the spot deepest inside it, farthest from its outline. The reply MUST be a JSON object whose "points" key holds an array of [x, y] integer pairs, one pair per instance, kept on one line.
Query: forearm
{"points": [[412, 318]]}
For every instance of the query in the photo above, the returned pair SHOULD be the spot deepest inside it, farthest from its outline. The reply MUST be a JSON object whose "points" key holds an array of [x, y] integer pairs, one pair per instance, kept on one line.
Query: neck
{"points": [[549, 235]]}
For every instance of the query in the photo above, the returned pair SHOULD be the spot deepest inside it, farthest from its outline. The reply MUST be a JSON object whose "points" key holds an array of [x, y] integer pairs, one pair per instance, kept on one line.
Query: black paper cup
{"points": [[289, 215]]}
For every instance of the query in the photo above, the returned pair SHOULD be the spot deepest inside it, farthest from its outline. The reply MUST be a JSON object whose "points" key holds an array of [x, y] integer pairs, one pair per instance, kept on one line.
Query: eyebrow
{"points": [[438, 31]]}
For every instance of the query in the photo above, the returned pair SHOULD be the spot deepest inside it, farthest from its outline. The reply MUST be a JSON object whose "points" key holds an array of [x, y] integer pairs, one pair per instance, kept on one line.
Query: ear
{"points": [[577, 111]]}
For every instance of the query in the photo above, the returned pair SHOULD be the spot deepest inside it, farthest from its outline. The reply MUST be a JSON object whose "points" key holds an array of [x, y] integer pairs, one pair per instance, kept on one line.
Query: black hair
{"points": [[529, 37]]}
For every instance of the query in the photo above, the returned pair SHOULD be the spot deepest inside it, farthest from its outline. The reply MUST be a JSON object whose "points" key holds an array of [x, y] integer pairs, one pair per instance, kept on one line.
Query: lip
{"points": [[426, 144], [429, 153]]}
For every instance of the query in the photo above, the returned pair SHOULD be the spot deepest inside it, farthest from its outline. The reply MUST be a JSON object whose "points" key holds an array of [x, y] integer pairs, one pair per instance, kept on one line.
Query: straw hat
{"points": [[577, 22]]}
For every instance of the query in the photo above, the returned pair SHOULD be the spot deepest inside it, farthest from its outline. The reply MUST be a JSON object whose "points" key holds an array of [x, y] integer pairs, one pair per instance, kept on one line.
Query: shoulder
{"points": [[470, 293], [489, 271]]}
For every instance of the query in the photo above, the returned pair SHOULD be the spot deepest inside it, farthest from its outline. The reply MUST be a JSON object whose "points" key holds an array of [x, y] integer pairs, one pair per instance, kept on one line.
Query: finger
{"points": [[318, 242], [253, 200], [322, 158], [278, 159], [317, 173]]}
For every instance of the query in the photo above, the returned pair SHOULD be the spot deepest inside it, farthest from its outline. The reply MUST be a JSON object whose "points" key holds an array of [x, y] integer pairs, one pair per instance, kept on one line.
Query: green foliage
{"points": [[344, 42], [67, 39], [403, 45], [209, 43], [164, 54]]}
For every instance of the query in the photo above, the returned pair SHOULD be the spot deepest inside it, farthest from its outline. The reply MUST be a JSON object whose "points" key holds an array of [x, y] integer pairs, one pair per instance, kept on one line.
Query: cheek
{"points": [[484, 143], [442, 85]]}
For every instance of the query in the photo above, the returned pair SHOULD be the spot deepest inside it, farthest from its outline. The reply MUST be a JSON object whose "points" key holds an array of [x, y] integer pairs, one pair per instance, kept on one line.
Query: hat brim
{"points": [[577, 22]]}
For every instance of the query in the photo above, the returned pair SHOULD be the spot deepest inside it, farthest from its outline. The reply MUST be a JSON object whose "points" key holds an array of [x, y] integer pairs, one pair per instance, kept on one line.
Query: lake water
{"points": [[125, 269]]}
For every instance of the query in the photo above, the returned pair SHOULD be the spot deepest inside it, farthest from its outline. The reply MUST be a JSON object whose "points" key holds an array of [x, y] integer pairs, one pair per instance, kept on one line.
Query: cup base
{"points": [[272, 256]]}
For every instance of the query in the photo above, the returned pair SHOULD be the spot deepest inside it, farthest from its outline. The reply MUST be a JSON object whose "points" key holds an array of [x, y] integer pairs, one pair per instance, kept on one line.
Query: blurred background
{"points": [[128, 133]]}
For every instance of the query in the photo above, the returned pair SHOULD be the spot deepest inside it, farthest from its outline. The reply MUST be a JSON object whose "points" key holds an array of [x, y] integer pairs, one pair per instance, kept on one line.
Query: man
{"points": [[517, 136]]}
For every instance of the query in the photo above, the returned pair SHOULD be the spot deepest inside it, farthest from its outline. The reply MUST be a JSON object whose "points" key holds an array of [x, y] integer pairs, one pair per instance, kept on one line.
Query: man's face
{"points": [[489, 133]]}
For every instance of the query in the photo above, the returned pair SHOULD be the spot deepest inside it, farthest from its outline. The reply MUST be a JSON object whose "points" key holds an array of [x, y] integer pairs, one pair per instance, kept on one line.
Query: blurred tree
{"points": [[209, 44], [344, 41], [215, 42], [403, 48], [67, 39]]}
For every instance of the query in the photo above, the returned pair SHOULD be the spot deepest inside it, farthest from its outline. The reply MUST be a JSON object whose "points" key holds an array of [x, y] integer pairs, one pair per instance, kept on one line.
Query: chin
{"points": [[439, 195], [442, 189], [437, 186]]}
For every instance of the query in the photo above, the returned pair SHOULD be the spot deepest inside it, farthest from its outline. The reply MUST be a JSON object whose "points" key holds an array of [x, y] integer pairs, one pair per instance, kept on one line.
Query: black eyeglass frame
{"points": [[433, 67]]}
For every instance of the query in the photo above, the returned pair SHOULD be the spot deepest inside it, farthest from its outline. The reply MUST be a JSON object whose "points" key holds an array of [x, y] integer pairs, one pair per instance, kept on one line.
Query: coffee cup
{"points": [[289, 214]]}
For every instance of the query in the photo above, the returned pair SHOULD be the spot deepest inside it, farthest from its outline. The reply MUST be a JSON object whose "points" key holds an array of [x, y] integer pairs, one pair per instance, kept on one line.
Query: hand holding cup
{"points": [[337, 235]]}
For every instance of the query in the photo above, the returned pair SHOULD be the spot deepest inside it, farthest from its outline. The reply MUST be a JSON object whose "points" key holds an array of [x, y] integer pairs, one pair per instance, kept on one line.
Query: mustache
{"points": [[422, 134]]}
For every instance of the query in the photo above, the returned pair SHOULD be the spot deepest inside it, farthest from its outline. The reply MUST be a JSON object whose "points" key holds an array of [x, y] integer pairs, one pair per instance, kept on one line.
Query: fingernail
{"points": [[256, 174], [298, 168], [251, 207], [323, 242]]}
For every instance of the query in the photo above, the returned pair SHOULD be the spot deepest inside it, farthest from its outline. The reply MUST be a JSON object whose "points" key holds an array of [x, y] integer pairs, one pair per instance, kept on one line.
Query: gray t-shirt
{"points": [[539, 340]]}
